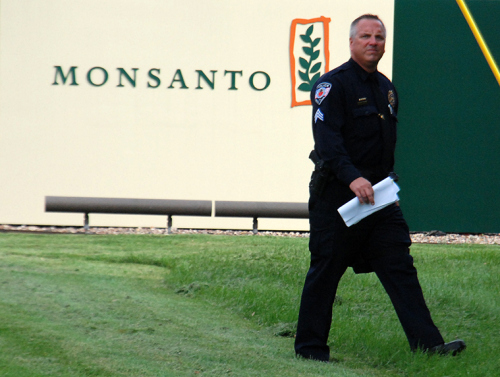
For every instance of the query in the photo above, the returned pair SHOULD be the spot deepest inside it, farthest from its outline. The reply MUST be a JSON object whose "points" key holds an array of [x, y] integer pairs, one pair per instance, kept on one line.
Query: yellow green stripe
{"points": [[479, 39]]}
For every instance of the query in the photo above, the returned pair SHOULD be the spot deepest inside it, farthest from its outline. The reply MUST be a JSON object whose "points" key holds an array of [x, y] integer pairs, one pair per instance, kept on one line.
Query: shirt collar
{"points": [[363, 75]]}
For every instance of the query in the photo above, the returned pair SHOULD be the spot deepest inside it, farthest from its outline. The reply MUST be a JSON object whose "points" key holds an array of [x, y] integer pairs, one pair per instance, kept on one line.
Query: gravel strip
{"points": [[434, 237]]}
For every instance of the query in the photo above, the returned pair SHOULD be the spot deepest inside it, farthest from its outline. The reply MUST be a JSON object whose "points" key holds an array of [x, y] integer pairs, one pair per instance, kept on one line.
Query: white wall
{"points": [[160, 143]]}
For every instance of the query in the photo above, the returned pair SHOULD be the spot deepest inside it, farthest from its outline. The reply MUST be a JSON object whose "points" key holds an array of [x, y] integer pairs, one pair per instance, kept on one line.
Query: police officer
{"points": [[354, 122]]}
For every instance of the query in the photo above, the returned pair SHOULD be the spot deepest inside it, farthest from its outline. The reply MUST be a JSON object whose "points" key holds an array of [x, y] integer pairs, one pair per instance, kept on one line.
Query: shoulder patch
{"points": [[322, 91]]}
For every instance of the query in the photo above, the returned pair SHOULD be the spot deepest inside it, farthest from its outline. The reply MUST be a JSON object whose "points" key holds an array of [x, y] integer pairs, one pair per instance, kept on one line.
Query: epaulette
{"points": [[344, 67], [327, 77], [333, 72]]}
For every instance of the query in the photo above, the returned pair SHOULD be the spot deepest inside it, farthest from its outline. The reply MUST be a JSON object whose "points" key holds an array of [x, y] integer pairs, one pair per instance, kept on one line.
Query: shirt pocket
{"points": [[366, 121]]}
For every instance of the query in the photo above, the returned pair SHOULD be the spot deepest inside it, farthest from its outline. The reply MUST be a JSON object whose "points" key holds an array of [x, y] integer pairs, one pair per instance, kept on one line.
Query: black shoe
{"points": [[322, 358], [453, 348]]}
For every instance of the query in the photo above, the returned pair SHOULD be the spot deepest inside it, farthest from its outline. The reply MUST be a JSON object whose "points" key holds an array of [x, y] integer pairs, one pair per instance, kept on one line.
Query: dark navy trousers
{"points": [[379, 243]]}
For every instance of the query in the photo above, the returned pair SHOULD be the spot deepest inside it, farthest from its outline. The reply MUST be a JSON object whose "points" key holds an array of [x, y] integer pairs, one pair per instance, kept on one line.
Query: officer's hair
{"points": [[354, 25]]}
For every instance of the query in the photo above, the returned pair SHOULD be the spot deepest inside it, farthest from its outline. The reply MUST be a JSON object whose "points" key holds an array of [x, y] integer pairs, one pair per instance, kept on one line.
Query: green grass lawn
{"points": [[204, 305]]}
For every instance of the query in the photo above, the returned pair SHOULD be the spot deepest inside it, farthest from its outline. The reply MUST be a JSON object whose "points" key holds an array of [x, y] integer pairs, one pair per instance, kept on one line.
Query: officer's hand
{"points": [[363, 190]]}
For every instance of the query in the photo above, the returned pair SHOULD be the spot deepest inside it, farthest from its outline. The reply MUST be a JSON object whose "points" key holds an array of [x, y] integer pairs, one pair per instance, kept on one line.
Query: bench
{"points": [[169, 208], [164, 207], [282, 210]]}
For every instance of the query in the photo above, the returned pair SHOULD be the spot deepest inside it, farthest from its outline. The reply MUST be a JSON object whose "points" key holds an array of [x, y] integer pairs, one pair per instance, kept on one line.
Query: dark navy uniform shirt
{"points": [[354, 128]]}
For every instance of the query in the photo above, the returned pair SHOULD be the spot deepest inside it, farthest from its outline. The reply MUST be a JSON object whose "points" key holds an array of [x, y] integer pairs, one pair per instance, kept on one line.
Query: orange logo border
{"points": [[326, 45]]}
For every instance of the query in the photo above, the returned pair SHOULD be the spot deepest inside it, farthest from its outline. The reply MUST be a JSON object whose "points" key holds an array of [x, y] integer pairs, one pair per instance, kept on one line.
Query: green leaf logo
{"points": [[308, 64], [309, 56]]}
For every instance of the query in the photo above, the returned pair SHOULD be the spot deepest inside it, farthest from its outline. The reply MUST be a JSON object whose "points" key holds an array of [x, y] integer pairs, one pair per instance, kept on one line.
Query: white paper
{"points": [[385, 193]]}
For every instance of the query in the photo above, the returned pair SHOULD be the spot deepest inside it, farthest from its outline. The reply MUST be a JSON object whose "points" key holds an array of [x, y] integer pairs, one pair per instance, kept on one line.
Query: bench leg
{"points": [[255, 225], [169, 224], [86, 226]]}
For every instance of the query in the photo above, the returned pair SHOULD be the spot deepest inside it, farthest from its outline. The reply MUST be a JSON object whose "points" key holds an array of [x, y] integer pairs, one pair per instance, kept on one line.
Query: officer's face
{"points": [[368, 45]]}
